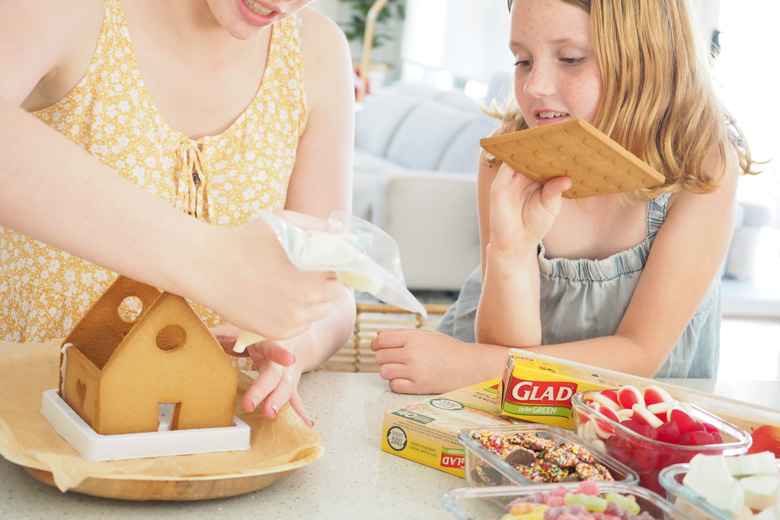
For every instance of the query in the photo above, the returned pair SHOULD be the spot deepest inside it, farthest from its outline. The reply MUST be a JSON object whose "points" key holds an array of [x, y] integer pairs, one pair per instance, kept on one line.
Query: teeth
{"points": [[257, 8], [548, 115]]}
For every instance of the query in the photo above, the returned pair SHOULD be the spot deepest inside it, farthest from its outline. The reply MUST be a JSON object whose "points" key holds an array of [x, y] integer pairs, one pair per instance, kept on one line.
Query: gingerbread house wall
{"points": [[197, 374]]}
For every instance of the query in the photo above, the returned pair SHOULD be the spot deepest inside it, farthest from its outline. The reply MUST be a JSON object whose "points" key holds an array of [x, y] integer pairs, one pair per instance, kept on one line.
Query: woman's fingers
{"points": [[272, 351], [267, 379], [297, 405]]}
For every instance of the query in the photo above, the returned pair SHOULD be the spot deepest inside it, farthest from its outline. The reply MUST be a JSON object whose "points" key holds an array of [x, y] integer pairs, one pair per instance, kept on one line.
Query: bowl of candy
{"points": [[650, 430], [724, 488], [526, 453], [581, 500]]}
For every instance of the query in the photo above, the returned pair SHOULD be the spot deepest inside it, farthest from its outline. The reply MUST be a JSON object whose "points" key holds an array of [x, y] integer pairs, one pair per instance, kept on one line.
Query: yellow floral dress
{"points": [[224, 179]]}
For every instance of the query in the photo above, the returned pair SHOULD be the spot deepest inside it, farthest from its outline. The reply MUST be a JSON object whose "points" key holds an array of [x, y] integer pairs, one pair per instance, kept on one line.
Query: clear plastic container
{"points": [[649, 456], [671, 478], [486, 468], [491, 502]]}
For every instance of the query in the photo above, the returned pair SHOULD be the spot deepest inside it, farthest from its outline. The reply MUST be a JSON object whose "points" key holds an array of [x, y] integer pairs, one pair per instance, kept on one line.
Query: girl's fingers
{"points": [[391, 371], [390, 355], [392, 338], [552, 191], [403, 386]]}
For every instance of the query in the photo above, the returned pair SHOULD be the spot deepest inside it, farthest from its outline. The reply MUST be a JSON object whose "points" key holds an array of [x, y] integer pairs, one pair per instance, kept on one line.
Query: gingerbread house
{"points": [[138, 350]]}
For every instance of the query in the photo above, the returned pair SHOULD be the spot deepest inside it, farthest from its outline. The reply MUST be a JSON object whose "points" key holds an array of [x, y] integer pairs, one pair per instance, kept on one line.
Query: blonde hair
{"points": [[663, 107]]}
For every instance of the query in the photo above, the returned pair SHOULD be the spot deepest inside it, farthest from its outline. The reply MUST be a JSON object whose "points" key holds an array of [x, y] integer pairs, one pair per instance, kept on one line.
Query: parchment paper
{"points": [[27, 438]]}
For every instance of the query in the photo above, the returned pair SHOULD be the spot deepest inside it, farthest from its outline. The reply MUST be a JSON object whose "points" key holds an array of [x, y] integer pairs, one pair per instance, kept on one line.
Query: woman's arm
{"points": [[321, 182], [58, 193]]}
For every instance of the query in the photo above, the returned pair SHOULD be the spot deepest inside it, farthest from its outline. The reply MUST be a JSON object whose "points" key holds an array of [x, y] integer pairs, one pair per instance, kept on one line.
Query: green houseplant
{"points": [[355, 26]]}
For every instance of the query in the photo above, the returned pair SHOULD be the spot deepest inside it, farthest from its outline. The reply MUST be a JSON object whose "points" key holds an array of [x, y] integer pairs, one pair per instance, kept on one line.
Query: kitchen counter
{"points": [[353, 479]]}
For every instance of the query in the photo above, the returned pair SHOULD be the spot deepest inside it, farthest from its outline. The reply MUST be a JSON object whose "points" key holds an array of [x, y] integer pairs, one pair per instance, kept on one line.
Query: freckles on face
{"points": [[557, 76]]}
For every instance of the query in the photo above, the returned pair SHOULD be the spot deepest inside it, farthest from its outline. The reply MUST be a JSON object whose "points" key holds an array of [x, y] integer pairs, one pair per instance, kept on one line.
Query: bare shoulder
{"points": [[319, 29], [327, 64], [728, 175], [45, 44]]}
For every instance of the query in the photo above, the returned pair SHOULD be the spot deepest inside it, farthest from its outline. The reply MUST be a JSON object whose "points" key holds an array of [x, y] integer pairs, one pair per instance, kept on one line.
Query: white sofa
{"points": [[416, 156]]}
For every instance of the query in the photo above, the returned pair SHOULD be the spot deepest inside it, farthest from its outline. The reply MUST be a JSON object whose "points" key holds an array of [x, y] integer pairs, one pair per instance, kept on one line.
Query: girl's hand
{"points": [[418, 361], [277, 375], [521, 211]]}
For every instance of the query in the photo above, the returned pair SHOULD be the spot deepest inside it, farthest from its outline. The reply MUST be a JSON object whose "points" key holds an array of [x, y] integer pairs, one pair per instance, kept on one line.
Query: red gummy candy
{"points": [[701, 438], [710, 428], [619, 448], [629, 395], [696, 438], [609, 413], [612, 394], [697, 427], [646, 459], [669, 432], [633, 425], [655, 394], [683, 420]]}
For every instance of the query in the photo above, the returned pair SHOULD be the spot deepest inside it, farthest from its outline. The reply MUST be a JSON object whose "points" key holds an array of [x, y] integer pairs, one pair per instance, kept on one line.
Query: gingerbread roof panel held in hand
{"points": [[596, 164]]}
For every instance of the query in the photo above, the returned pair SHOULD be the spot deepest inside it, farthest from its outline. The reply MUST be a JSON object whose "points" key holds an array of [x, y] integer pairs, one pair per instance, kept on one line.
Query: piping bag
{"points": [[363, 256]]}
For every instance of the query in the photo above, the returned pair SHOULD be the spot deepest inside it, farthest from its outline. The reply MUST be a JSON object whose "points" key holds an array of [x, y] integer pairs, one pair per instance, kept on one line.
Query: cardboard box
{"points": [[427, 431], [539, 388]]}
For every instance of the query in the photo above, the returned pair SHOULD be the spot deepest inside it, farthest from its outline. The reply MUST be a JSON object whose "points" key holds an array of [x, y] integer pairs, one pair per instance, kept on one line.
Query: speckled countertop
{"points": [[353, 479]]}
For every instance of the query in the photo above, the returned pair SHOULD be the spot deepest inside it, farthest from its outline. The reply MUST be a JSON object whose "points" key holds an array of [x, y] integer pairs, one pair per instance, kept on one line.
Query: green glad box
{"points": [[427, 431], [539, 388]]}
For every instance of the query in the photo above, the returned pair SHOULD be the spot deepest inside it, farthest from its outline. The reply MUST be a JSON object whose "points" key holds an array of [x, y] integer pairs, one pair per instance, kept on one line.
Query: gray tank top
{"points": [[583, 299]]}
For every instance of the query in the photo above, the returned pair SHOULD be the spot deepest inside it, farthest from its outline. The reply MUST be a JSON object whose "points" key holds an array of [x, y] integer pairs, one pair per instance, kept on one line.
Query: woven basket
{"points": [[356, 355]]}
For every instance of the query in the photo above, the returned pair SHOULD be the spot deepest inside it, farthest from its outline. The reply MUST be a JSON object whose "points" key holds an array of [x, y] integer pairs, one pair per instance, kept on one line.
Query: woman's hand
{"points": [[277, 379], [257, 288], [521, 211]]}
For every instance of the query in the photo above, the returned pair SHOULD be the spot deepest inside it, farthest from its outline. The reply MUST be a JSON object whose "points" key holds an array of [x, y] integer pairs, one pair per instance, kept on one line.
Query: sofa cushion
{"points": [[369, 171], [433, 218], [368, 162], [424, 135], [462, 154], [377, 120]]}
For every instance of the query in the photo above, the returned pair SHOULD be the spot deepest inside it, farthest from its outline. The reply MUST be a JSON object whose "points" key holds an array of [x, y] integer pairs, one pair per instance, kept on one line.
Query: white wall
{"points": [[469, 37], [466, 37]]}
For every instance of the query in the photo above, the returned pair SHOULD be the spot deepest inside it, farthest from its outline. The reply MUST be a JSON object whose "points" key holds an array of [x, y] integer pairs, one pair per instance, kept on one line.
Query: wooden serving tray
{"points": [[175, 489], [277, 447]]}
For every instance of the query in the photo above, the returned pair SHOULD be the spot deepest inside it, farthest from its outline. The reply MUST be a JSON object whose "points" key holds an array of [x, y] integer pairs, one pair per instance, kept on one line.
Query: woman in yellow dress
{"points": [[145, 137]]}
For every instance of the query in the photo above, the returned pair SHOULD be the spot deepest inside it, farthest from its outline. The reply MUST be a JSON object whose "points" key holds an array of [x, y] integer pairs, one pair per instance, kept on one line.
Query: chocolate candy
{"points": [[537, 458]]}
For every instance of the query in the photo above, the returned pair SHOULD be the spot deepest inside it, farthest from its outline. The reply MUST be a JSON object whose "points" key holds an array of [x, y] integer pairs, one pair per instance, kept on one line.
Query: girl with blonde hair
{"points": [[628, 283]]}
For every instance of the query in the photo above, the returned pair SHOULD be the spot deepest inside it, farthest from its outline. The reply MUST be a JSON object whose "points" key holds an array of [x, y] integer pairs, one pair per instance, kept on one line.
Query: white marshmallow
{"points": [[709, 477], [763, 463], [759, 490]]}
